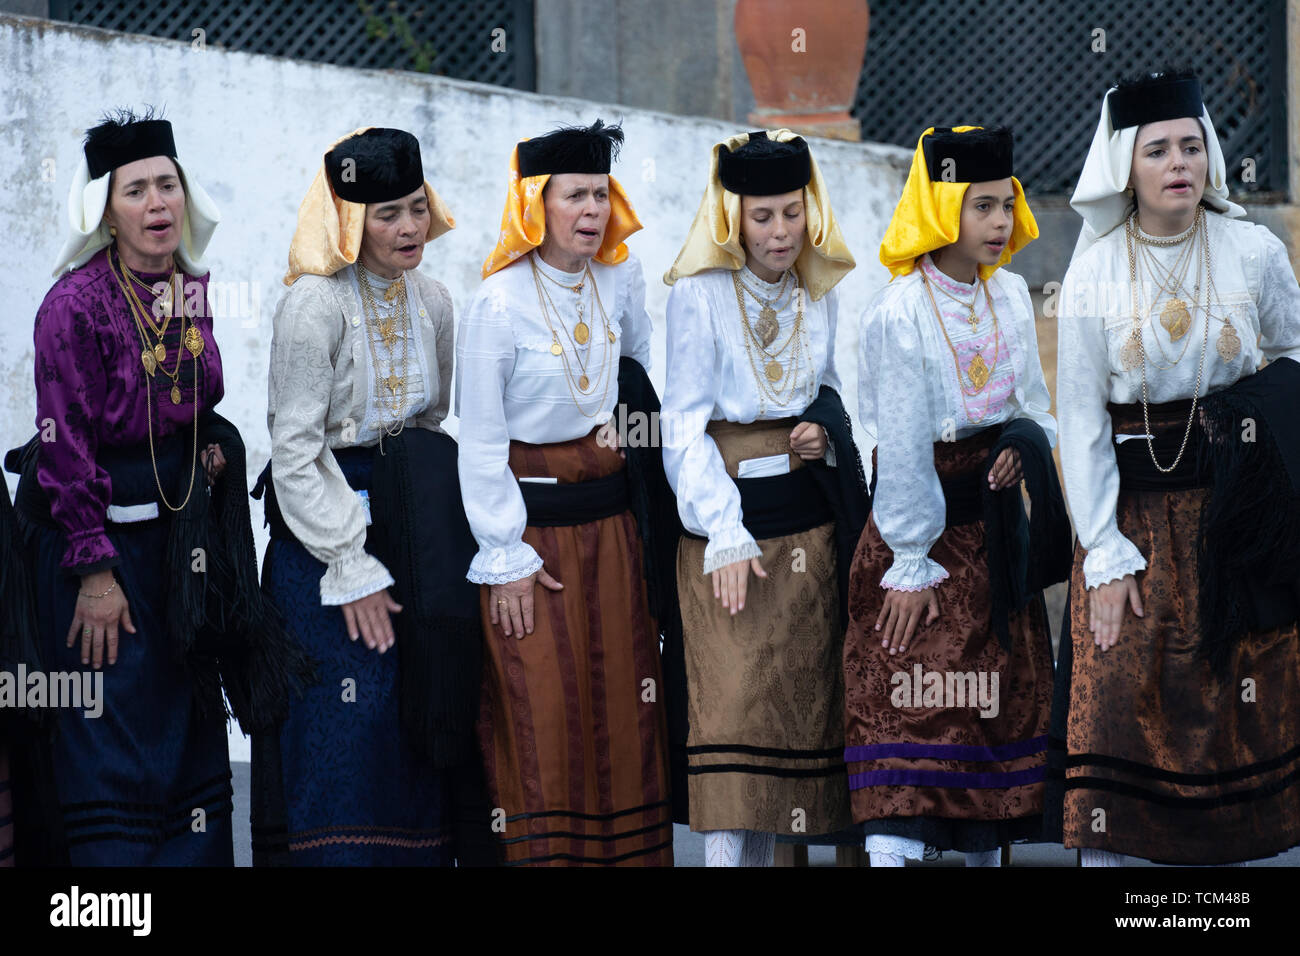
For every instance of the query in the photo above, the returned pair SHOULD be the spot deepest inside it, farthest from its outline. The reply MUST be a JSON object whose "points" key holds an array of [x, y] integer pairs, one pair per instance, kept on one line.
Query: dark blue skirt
{"points": [[351, 790], [148, 781]]}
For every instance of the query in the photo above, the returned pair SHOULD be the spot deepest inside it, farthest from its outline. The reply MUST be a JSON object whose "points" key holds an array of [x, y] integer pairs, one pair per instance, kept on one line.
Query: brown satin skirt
{"points": [[572, 726], [921, 765], [765, 692], [1182, 767]]}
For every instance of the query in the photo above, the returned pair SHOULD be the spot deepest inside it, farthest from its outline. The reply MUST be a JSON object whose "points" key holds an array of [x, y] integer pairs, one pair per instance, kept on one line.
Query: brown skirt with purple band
{"points": [[1167, 759], [765, 692], [572, 726], [936, 750]]}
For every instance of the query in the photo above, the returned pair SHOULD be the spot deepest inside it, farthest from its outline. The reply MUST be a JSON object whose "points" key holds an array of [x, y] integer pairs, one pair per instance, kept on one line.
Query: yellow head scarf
{"points": [[713, 241], [330, 229], [928, 217], [523, 223]]}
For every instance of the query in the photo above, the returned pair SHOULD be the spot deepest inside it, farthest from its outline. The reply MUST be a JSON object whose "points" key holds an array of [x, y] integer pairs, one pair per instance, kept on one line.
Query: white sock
{"points": [[1101, 858], [738, 848], [887, 845], [885, 859], [985, 858]]}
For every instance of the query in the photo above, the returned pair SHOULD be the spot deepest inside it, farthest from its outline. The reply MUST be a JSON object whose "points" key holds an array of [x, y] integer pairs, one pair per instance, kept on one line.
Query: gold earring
{"points": [[112, 231]]}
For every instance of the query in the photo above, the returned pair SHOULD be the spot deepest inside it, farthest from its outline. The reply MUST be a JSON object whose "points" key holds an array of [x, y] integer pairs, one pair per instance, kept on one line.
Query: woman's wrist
{"points": [[98, 584]]}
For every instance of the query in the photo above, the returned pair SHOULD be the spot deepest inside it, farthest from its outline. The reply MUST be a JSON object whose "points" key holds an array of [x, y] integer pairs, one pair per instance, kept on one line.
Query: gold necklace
{"points": [[1175, 317], [971, 317], [166, 298], [581, 332], [558, 350], [386, 332], [977, 370], [1136, 342], [768, 326], [774, 381], [175, 396]]}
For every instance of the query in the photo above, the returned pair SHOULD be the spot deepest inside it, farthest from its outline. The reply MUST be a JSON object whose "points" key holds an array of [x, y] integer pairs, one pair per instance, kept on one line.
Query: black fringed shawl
{"points": [[1249, 535], [224, 630], [421, 535], [844, 487], [655, 508], [19, 643], [1024, 555]]}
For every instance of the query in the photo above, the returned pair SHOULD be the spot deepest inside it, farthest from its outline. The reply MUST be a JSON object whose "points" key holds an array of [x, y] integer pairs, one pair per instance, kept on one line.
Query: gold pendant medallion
{"points": [[611, 336], [1130, 356], [583, 382], [774, 371], [767, 326], [176, 394], [150, 363], [194, 341], [1175, 318], [160, 353], [556, 348], [581, 333], [1229, 344], [978, 372], [394, 290]]}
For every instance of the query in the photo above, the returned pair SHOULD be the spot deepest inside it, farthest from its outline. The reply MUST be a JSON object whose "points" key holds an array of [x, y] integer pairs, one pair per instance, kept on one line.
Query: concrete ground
{"points": [[688, 847]]}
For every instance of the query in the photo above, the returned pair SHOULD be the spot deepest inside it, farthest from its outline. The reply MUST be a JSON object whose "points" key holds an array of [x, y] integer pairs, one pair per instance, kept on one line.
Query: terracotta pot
{"points": [[807, 80]]}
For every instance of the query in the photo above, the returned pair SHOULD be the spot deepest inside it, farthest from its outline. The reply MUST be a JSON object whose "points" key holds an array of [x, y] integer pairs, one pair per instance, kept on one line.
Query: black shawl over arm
{"points": [[1024, 556], [844, 487]]}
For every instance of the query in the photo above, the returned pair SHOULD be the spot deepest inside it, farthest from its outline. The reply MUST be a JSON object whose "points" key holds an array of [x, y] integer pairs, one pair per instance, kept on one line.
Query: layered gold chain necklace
{"points": [[150, 357], [777, 380], [977, 371], [379, 329], [580, 336], [767, 325]]}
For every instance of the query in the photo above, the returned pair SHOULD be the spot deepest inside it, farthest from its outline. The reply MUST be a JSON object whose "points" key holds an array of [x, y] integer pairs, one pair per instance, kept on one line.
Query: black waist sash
{"points": [[564, 504], [1137, 472], [777, 505]]}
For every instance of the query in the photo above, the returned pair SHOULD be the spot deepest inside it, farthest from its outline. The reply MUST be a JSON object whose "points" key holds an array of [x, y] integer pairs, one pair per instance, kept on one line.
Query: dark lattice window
{"points": [[1029, 64], [448, 38]]}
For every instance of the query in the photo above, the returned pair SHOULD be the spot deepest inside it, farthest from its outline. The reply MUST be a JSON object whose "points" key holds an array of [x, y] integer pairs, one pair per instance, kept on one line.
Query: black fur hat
{"points": [[975, 156], [378, 165], [122, 137], [1153, 97], [764, 167], [571, 149]]}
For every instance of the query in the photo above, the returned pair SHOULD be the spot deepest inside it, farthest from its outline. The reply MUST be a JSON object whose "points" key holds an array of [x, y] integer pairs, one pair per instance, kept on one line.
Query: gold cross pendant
{"points": [[973, 319], [392, 382], [388, 332]]}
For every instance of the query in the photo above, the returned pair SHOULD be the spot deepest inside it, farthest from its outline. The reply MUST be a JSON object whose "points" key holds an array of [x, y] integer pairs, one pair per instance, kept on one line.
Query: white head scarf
{"points": [[1100, 197], [88, 233]]}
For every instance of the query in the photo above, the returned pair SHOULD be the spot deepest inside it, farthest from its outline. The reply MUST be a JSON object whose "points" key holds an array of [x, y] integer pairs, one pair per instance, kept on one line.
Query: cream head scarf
{"points": [[371, 165], [1101, 197], [928, 215], [713, 241], [109, 146]]}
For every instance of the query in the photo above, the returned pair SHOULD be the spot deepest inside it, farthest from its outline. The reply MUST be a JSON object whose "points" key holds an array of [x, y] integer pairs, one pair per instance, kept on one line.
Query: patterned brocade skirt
{"points": [[572, 725], [765, 689], [1164, 758], [937, 751]]}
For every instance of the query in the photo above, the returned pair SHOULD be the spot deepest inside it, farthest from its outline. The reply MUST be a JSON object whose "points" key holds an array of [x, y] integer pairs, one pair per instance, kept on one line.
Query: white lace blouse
{"points": [[910, 398], [711, 376], [324, 394], [510, 386], [1255, 290]]}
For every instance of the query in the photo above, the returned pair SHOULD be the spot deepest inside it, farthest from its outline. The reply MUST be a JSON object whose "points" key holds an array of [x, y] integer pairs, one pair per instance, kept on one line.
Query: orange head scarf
{"points": [[523, 223]]}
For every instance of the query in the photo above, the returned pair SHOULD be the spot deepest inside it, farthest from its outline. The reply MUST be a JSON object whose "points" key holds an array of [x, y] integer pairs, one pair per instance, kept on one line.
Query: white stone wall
{"points": [[252, 129]]}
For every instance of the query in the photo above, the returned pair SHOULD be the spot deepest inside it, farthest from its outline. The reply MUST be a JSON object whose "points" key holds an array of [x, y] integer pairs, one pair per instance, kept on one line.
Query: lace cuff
{"points": [[352, 577], [913, 573], [1112, 557], [734, 545], [89, 550], [503, 565]]}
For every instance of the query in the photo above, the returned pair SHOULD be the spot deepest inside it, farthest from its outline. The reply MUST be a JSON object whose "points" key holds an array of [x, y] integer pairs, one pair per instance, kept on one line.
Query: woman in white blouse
{"points": [[1171, 303], [572, 728], [361, 350], [949, 361], [751, 332]]}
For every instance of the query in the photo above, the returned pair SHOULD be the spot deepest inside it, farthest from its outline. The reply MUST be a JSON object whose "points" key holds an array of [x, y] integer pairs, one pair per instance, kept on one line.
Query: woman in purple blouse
{"points": [[133, 509]]}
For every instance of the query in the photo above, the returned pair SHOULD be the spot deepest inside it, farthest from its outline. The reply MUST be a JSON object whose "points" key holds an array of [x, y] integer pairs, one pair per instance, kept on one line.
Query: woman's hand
{"points": [[368, 618], [512, 604], [1106, 609], [808, 441], [1006, 470], [96, 618], [900, 615], [214, 463], [731, 581]]}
